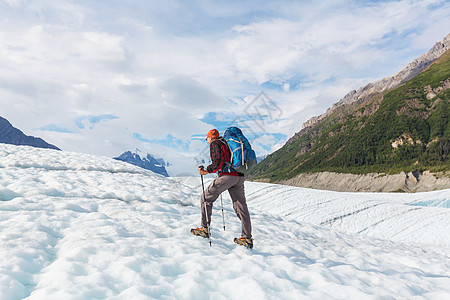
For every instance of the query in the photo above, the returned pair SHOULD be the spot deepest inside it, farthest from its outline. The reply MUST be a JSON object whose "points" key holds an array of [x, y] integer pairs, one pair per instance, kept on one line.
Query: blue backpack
{"points": [[243, 158]]}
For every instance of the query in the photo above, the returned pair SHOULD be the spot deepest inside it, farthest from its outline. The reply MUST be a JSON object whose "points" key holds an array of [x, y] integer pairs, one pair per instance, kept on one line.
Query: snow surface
{"points": [[77, 226]]}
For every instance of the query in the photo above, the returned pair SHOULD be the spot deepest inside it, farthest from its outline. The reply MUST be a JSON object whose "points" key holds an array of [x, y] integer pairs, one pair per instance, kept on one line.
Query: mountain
{"points": [[156, 165], [12, 135], [397, 124], [372, 89], [261, 158]]}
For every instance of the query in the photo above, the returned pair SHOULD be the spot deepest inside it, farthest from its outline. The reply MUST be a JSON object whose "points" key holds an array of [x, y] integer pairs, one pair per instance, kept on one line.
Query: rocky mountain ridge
{"points": [[375, 137], [387, 83], [11, 135]]}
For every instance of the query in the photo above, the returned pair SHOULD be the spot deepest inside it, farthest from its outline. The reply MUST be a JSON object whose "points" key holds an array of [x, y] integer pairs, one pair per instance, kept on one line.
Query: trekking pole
{"points": [[223, 218], [206, 211]]}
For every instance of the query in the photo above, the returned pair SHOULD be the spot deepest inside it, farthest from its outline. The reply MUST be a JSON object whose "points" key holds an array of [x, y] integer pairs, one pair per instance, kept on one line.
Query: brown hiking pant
{"points": [[235, 187]]}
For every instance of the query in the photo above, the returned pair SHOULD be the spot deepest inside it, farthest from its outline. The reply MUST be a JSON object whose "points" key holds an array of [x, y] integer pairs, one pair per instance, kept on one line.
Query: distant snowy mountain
{"points": [[13, 136], [156, 165]]}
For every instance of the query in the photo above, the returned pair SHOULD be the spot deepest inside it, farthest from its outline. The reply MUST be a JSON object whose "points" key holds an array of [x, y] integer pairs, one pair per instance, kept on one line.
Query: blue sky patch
{"points": [[292, 83], [201, 137], [55, 128], [170, 141], [92, 120]]}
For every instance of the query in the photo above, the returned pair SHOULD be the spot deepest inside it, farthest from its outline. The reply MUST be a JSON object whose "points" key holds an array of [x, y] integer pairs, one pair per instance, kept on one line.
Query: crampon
{"points": [[244, 242], [203, 232]]}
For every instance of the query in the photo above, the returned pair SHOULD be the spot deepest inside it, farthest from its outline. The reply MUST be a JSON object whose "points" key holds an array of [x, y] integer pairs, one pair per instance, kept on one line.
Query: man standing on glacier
{"points": [[228, 179]]}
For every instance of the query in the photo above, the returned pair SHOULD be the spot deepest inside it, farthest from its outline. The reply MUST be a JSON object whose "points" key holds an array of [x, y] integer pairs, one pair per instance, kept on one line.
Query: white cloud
{"points": [[190, 95]]}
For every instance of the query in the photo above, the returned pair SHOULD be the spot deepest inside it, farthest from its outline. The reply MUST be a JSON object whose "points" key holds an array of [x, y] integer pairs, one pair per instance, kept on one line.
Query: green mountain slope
{"points": [[404, 129]]}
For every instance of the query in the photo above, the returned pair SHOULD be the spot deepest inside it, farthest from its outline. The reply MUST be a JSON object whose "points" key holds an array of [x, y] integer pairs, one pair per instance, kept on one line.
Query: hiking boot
{"points": [[244, 242], [202, 231]]}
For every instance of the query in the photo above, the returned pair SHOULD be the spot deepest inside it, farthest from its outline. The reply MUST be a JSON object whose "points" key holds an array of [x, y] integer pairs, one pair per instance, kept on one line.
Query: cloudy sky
{"points": [[103, 77]]}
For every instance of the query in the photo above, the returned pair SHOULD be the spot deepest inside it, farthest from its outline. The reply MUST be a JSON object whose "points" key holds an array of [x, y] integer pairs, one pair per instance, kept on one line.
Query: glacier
{"points": [[78, 226]]}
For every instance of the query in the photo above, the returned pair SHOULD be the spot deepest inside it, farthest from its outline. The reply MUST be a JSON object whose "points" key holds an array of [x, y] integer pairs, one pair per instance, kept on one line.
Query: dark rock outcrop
{"points": [[11, 135]]}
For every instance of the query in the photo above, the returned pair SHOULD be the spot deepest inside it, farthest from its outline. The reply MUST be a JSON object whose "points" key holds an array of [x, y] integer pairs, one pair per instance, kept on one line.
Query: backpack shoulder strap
{"points": [[224, 142]]}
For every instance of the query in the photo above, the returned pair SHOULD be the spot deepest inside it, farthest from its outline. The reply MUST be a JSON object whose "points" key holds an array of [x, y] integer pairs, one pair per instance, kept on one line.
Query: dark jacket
{"points": [[220, 156]]}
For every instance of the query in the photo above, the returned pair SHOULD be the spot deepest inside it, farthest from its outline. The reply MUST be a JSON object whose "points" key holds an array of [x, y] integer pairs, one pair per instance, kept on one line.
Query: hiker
{"points": [[228, 179]]}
